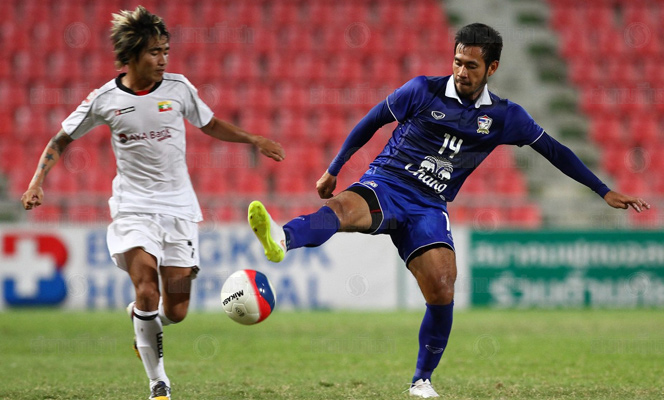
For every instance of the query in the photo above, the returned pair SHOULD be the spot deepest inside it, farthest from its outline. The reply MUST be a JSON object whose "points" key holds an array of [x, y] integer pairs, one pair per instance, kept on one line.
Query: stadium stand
{"points": [[614, 52], [301, 72]]}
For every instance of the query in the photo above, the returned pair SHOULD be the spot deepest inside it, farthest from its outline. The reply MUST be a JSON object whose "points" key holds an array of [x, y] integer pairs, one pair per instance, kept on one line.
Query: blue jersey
{"points": [[440, 140]]}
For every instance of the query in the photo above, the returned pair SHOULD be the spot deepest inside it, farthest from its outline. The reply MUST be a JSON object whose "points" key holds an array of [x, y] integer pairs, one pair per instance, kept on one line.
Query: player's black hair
{"points": [[132, 31], [482, 36]]}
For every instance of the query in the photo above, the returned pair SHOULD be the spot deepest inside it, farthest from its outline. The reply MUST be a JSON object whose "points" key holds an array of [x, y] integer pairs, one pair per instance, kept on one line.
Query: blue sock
{"points": [[311, 230], [434, 332]]}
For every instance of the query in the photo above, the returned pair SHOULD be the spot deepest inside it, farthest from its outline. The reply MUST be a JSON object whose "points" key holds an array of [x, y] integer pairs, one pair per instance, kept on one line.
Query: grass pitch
{"points": [[493, 354]]}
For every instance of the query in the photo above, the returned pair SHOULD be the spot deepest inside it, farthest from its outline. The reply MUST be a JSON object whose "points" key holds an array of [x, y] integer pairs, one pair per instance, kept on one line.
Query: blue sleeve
{"points": [[406, 101], [520, 128], [378, 116], [565, 160]]}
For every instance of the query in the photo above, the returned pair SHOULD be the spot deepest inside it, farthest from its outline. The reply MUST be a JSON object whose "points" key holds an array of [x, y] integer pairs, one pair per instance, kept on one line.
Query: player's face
{"points": [[151, 64], [470, 71]]}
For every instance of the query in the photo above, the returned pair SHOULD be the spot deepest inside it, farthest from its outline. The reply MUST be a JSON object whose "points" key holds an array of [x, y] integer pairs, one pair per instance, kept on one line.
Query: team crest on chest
{"points": [[483, 124], [165, 106]]}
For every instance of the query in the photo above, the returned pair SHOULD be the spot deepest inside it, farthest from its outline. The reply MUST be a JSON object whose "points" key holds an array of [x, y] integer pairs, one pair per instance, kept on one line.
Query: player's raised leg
{"points": [[346, 212], [142, 268], [435, 271]]}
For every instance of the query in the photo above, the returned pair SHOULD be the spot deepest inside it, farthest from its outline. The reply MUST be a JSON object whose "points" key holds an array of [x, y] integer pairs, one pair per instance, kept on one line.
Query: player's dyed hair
{"points": [[132, 31], [482, 36]]}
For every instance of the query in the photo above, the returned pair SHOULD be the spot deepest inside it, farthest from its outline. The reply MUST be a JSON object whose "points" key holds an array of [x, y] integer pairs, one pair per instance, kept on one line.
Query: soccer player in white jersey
{"points": [[154, 208]]}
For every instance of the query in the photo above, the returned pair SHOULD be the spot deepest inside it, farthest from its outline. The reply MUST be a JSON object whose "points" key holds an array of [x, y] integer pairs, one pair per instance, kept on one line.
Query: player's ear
{"points": [[492, 67]]}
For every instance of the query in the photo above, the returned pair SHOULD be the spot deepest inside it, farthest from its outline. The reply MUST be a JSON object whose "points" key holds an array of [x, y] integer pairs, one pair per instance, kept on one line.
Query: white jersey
{"points": [[148, 138]]}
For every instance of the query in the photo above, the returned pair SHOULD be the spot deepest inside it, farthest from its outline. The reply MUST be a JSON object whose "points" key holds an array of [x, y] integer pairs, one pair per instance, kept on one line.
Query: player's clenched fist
{"points": [[326, 185], [32, 198]]}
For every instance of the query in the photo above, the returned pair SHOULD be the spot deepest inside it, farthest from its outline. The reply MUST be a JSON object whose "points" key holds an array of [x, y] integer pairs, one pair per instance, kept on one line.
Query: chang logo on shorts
{"points": [[432, 171]]}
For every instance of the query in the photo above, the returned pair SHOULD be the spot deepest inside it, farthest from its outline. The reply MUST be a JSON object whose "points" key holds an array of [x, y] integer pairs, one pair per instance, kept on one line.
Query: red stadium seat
{"points": [[49, 212], [288, 181], [600, 100], [244, 12], [327, 128], [458, 213], [575, 42], [224, 213], [488, 218], [652, 70], [628, 182], [563, 16], [610, 43], [597, 16], [509, 183], [61, 180], [644, 128], [290, 96], [427, 13], [382, 71], [15, 37], [606, 129], [278, 67], [622, 72], [283, 13], [13, 155], [651, 219], [317, 13], [257, 121], [400, 40], [474, 186], [525, 217], [262, 40], [212, 181], [87, 214], [250, 181], [613, 157], [304, 67]]}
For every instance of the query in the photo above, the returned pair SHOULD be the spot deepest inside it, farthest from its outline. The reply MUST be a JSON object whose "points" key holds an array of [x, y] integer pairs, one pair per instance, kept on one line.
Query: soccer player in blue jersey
{"points": [[446, 127]]}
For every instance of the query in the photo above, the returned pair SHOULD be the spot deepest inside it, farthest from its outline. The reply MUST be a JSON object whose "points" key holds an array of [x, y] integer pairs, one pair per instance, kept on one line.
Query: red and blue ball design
{"points": [[248, 297]]}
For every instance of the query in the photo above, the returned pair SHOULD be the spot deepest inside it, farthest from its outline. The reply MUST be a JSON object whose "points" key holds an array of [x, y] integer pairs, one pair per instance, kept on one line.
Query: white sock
{"points": [[149, 343], [162, 315]]}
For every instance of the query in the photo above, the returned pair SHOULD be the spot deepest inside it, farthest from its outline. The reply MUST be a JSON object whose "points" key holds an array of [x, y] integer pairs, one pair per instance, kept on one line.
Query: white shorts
{"points": [[172, 241]]}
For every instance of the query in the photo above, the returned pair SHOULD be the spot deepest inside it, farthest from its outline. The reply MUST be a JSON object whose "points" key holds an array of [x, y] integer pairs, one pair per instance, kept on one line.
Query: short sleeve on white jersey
{"points": [[85, 117], [195, 110]]}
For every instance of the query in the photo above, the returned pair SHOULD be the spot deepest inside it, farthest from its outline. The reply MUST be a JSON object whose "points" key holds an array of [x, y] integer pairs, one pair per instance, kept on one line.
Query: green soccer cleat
{"points": [[269, 233]]}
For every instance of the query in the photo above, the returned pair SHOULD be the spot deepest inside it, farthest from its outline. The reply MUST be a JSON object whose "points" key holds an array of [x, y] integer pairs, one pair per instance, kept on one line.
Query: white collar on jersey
{"points": [[483, 100]]}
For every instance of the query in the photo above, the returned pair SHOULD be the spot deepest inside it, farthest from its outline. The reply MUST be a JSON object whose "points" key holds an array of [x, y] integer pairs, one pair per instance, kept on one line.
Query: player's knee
{"points": [[350, 211], [147, 293], [441, 293], [338, 208]]}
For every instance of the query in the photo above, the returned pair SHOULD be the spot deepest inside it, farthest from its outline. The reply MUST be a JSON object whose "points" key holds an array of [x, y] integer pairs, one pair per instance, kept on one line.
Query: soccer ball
{"points": [[248, 297]]}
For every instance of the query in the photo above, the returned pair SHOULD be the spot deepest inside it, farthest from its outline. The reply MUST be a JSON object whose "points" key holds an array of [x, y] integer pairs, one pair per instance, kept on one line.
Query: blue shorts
{"points": [[413, 220]]}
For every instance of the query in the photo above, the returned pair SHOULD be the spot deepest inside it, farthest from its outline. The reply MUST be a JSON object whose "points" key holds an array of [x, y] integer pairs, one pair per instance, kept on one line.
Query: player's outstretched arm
{"points": [[326, 185], [565, 160], [228, 132], [34, 196], [619, 200]]}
